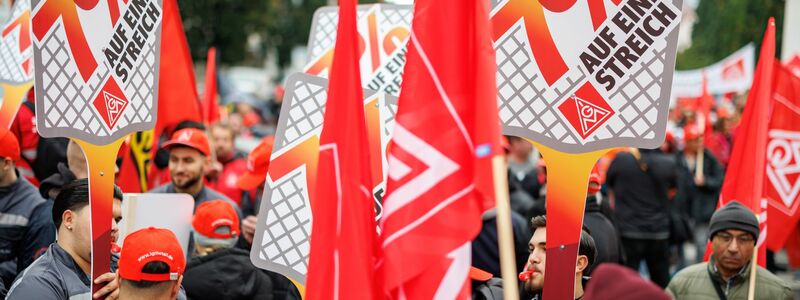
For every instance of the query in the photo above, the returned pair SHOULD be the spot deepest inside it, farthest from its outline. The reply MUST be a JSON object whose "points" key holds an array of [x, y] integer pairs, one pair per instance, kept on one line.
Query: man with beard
{"points": [[533, 274], [189, 158]]}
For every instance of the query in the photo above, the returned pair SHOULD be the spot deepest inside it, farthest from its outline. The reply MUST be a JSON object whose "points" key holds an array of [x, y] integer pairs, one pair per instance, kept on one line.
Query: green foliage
{"points": [[724, 26], [227, 25]]}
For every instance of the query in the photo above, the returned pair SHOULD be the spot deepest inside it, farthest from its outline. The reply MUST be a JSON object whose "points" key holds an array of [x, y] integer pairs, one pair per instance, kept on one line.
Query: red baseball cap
{"points": [[257, 165], [213, 214], [189, 137], [10, 144], [690, 132], [148, 245]]}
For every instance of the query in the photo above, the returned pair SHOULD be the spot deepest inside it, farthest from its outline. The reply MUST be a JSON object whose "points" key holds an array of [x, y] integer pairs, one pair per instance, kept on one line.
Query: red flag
{"points": [[744, 179], [342, 260], [446, 133], [210, 106], [782, 187]]}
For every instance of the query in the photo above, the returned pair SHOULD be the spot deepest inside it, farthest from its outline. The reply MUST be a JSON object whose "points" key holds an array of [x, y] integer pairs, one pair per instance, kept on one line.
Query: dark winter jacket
{"points": [[699, 201], [603, 232], [640, 190], [229, 274], [23, 228]]}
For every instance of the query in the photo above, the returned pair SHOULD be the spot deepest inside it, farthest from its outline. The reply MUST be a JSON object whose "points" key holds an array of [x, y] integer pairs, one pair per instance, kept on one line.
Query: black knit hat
{"points": [[734, 215]]}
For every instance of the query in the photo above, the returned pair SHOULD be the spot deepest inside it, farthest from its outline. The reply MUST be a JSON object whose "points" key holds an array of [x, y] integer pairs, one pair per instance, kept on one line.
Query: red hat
{"points": [[10, 144], [213, 214], [148, 245], [189, 137], [611, 282], [257, 165], [594, 178], [690, 132]]}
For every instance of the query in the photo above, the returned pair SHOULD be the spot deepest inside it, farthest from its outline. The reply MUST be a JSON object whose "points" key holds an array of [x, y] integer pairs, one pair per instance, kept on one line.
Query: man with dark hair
{"points": [[533, 275], [189, 159], [734, 232], [151, 265], [21, 233], [62, 272]]}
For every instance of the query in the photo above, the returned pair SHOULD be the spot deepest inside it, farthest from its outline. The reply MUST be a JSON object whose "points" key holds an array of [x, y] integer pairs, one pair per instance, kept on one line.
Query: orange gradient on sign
{"points": [[567, 180], [66, 10], [12, 98], [101, 160], [544, 49]]}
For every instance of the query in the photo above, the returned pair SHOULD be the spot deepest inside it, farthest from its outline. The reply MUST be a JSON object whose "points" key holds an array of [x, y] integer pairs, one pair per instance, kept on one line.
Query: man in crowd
{"points": [[534, 271], [639, 182], [151, 265], [62, 272], [523, 176], [734, 231], [189, 159], [216, 230], [609, 248], [75, 168], [22, 229], [230, 163], [698, 192], [252, 185]]}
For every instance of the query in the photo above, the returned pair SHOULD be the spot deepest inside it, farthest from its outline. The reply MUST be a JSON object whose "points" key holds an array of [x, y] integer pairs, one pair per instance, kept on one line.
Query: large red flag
{"points": [[782, 187], [343, 233], [445, 135], [177, 101], [744, 178], [210, 105]]}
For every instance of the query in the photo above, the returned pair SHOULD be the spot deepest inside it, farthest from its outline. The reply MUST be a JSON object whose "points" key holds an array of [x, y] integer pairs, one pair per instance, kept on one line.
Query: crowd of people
{"points": [[643, 207]]}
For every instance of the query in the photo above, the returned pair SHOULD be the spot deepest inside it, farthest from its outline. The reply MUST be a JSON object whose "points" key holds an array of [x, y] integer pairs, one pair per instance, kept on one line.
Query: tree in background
{"points": [[278, 25], [724, 26]]}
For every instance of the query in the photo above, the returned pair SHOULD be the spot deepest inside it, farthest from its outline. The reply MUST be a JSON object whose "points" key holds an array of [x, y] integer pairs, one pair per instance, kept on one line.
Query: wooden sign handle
{"points": [[102, 163], [567, 181]]}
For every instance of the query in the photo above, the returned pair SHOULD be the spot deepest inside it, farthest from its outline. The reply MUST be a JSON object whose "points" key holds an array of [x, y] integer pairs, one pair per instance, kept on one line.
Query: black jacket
{"points": [[24, 228], [603, 232], [698, 201], [640, 195], [229, 274]]}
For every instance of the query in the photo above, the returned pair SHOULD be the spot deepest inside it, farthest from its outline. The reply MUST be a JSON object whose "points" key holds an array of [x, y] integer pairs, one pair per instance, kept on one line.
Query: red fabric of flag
{"points": [[343, 234], [744, 178], [445, 135], [782, 184], [210, 105]]}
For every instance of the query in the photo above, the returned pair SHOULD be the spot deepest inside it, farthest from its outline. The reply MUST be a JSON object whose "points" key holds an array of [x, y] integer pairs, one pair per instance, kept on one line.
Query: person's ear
{"points": [[582, 264], [68, 219], [176, 288]]}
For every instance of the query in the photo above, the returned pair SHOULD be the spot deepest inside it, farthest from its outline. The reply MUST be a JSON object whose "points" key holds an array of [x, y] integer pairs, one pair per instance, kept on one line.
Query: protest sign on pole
{"points": [[96, 79], [16, 69], [383, 31], [281, 242], [578, 78]]}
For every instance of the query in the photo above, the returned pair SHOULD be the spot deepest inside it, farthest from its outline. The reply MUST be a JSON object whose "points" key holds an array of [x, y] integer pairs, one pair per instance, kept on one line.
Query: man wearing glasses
{"points": [[733, 233]]}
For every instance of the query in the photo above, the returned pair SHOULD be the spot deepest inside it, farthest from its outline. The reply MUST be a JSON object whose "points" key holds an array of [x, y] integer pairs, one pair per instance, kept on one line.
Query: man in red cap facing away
{"points": [[151, 265], [216, 230], [252, 185], [189, 158], [20, 232]]}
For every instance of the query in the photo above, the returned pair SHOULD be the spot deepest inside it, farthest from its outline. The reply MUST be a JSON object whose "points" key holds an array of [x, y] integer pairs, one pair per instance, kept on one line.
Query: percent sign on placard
{"points": [[16, 70], [578, 78], [96, 75]]}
